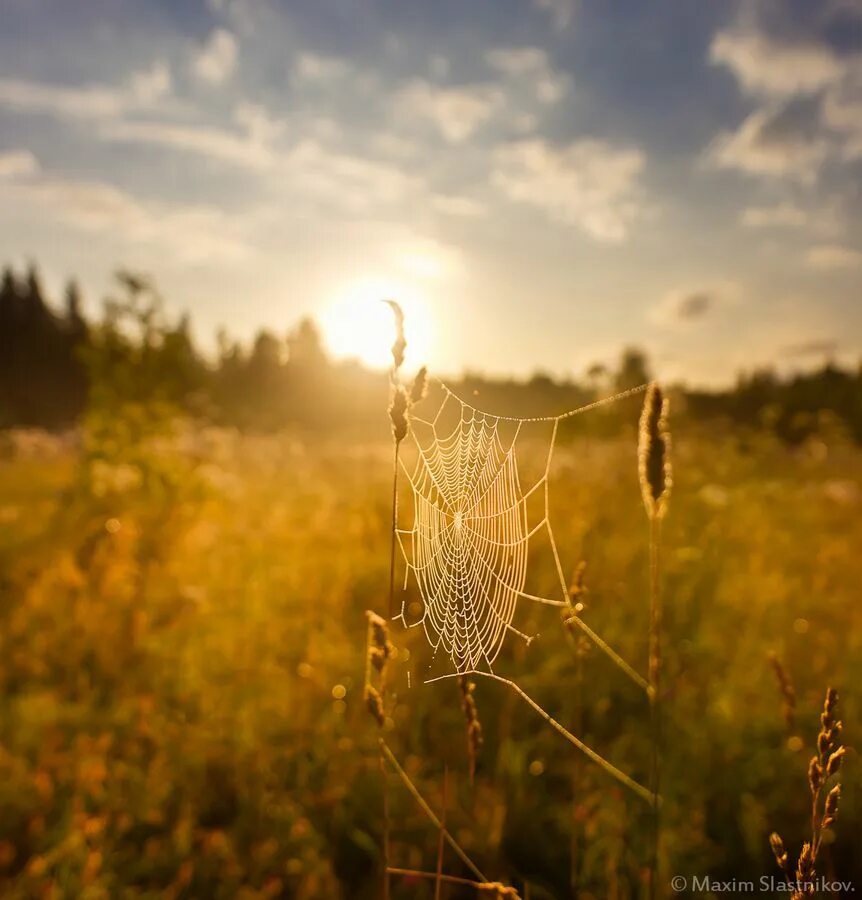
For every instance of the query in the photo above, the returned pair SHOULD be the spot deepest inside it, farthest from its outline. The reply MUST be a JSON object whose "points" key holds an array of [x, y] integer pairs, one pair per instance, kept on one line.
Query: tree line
{"points": [[54, 361]]}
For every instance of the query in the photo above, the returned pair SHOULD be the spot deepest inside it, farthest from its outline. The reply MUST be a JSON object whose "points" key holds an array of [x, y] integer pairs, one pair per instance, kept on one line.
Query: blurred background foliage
{"points": [[50, 355], [184, 571]]}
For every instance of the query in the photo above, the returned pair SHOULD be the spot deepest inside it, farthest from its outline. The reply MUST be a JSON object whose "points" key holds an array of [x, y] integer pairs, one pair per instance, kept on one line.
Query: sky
{"points": [[539, 182]]}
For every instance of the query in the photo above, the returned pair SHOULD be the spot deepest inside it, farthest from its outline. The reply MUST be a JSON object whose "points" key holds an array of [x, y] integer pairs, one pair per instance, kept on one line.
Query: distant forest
{"points": [[51, 356]]}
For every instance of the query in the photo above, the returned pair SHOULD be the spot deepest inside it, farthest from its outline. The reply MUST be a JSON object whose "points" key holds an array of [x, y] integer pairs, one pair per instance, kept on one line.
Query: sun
{"points": [[357, 325]]}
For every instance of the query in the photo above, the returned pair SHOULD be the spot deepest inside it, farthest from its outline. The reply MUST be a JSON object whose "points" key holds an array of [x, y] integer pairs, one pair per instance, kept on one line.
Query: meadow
{"points": [[183, 652]]}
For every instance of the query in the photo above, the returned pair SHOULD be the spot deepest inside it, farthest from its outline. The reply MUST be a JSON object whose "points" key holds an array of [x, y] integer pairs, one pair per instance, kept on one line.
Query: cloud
{"points": [[765, 65], [151, 85], [311, 68], [262, 127], [142, 92], [783, 141], [842, 112], [345, 181], [427, 259], [89, 101], [833, 256], [309, 168], [458, 207], [247, 151], [782, 215], [215, 61], [684, 306], [791, 63], [561, 12], [18, 163], [456, 112], [190, 234], [587, 184], [530, 64], [816, 347]]}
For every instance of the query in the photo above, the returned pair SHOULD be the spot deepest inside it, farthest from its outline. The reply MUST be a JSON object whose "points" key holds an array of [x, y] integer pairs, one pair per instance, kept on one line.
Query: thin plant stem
{"points": [[393, 535], [385, 780], [423, 805], [446, 879], [638, 679], [575, 862], [650, 797], [438, 885], [654, 693]]}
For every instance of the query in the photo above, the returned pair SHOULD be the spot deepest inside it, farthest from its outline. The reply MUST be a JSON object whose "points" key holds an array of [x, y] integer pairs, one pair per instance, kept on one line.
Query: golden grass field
{"points": [[183, 642]]}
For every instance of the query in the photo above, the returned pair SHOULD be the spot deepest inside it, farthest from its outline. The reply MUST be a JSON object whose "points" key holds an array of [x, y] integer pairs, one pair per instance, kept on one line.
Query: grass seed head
{"points": [[380, 648], [378, 631], [474, 726], [805, 866], [833, 764], [830, 808], [400, 344], [787, 691], [815, 775], [654, 466], [778, 850], [578, 587], [828, 740], [398, 413], [374, 703], [419, 388]]}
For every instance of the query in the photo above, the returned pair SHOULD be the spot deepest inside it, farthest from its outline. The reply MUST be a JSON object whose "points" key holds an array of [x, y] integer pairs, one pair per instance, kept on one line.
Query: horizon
{"points": [[685, 180], [208, 350]]}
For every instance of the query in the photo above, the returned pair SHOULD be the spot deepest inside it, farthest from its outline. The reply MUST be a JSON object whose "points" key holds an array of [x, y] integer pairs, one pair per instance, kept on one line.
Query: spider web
{"points": [[469, 542]]}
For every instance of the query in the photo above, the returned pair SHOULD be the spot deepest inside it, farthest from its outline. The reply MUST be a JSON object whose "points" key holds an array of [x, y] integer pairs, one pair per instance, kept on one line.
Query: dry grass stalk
{"points": [[578, 591], [474, 726], [430, 814], [577, 601], [378, 652], [496, 891], [824, 766], [787, 691], [655, 474], [483, 888], [441, 839], [398, 409]]}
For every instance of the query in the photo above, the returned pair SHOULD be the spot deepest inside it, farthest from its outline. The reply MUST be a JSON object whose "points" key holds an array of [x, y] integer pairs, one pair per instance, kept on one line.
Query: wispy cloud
{"points": [[315, 68], [811, 95], [16, 163], [216, 59], [765, 65], [458, 206], [814, 347], [588, 184], [561, 12], [187, 234], [685, 306], [246, 150], [455, 112], [530, 64], [833, 256], [782, 141], [143, 91], [780, 215]]}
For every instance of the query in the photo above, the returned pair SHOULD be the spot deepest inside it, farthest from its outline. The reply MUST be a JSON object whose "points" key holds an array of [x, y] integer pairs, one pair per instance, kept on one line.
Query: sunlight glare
{"points": [[358, 325]]}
